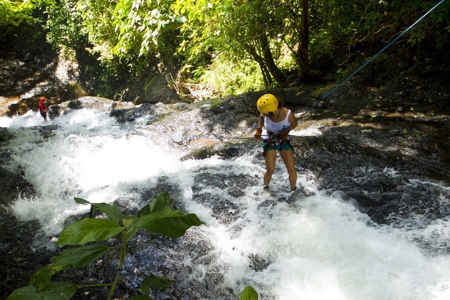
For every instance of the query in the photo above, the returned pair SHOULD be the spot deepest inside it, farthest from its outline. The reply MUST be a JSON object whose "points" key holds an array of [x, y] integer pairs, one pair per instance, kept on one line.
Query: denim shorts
{"points": [[284, 146]]}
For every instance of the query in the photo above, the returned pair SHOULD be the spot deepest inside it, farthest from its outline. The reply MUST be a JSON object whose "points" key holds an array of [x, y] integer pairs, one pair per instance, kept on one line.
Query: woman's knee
{"points": [[270, 171], [292, 171]]}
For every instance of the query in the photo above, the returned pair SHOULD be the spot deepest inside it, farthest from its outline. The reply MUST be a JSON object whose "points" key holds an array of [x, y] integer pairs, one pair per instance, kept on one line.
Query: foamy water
{"points": [[317, 247]]}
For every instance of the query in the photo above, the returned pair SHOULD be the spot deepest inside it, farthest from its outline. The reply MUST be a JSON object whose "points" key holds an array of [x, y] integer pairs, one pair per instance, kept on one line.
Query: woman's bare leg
{"points": [[270, 158], [288, 159]]}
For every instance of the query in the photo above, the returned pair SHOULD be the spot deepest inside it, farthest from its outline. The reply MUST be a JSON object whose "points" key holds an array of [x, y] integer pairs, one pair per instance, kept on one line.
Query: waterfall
{"points": [[313, 245]]}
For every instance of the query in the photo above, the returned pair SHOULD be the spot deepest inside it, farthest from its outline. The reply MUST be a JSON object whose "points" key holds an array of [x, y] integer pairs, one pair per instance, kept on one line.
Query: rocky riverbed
{"points": [[390, 146], [382, 144]]}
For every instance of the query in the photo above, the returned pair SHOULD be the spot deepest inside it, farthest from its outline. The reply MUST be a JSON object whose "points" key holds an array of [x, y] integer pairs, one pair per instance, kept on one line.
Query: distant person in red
{"points": [[43, 108]]}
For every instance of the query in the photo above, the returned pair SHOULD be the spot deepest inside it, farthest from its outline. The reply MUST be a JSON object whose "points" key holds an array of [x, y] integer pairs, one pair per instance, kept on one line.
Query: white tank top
{"points": [[276, 127]]}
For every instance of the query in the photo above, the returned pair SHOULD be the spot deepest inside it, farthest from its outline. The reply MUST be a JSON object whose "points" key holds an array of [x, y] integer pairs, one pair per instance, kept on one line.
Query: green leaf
{"points": [[141, 297], [55, 291], [249, 293], [127, 220], [170, 223], [88, 230], [159, 203], [112, 211], [146, 210], [155, 282], [81, 201], [42, 277], [80, 257]]}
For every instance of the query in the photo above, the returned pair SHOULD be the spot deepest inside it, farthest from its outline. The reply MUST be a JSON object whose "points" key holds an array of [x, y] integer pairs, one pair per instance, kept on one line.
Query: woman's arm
{"points": [[293, 121], [260, 121], [259, 126]]}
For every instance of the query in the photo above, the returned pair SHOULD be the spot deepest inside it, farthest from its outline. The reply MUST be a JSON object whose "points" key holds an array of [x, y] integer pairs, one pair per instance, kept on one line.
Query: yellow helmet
{"points": [[267, 103]]}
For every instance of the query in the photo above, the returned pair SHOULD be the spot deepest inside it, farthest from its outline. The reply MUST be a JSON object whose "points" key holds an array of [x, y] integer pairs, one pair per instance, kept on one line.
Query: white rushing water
{"points": [[318, 247]]}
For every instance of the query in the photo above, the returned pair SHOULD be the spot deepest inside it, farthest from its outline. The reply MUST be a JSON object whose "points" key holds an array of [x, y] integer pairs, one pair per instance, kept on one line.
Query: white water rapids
{"points": [[318, 247]]}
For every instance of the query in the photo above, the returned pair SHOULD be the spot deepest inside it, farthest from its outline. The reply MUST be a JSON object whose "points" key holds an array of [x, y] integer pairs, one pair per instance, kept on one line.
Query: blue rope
{"points": [[370, 60]]}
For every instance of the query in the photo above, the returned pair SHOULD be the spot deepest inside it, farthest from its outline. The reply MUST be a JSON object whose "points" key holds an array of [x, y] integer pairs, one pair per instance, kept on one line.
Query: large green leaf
{"points": [[127, 220], [155, 282], [81, 200], [159, 203], [141, 297], [80, 257], [249, 293], [88, 230], [42, 277], [55, 291], [146, 210], [112, 211], [130, 231], [170, 223]]}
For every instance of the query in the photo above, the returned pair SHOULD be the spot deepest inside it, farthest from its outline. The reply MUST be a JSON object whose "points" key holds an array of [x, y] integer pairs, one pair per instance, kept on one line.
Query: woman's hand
{"points": [[258, 133], [285, 134]]}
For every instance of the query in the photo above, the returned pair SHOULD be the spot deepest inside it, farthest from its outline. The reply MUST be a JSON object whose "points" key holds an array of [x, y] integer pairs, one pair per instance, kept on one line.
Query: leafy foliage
{"points": [[132, 39], [21, 26], [17, 12], [156, 217], [261, 29], [240, 30], [52, 291], [249, 293], [65, 25], [225, 77], [89, 230]]}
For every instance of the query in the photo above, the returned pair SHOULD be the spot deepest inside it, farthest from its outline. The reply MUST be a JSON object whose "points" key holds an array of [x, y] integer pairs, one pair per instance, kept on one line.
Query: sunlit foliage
{"points": [[133, 38]]}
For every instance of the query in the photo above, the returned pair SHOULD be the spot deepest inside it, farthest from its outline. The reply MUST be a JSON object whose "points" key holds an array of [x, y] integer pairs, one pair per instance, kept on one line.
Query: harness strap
{"points": [[269, 143]]}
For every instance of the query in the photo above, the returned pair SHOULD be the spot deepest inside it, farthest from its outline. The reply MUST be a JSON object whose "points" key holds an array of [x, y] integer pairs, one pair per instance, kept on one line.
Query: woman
{"points": [[278, 121], [43, 108]]}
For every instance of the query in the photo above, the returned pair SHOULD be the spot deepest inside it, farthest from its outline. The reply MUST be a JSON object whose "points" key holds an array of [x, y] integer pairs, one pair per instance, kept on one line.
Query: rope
{"points": [[370, 60], [346, 79]]}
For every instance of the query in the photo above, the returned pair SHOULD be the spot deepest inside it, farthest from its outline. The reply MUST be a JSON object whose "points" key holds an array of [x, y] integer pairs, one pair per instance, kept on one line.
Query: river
{"points": [[315, 244]]}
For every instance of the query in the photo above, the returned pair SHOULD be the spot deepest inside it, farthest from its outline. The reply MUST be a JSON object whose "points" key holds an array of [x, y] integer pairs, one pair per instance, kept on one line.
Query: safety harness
{"points": [[277, 141]]}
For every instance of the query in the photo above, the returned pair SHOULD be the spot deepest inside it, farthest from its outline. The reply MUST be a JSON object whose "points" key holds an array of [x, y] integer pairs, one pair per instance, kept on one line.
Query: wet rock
{"points": [[21, 74], [258, 263], [130, 115], [228, 152], [13, 186], [5, 135], [17, 256], [199, 154], [374, 167], [223, 151], [74, 104], [157, 90]]}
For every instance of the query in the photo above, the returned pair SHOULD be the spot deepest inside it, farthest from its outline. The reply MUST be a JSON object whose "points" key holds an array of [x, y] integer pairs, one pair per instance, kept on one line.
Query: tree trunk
{"points": [[303, 55], [268, 59], [265, 72]]}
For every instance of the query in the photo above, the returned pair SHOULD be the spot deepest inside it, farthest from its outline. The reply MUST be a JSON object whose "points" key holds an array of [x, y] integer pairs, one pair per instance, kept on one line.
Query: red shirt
{"points": [[41, 106]]}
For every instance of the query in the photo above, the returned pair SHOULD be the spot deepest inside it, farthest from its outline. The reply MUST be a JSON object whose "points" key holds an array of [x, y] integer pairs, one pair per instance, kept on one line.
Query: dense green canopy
{"points": [[276, 39]]}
